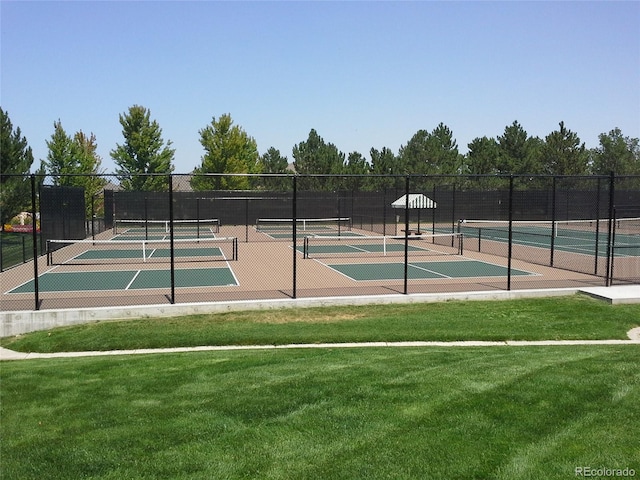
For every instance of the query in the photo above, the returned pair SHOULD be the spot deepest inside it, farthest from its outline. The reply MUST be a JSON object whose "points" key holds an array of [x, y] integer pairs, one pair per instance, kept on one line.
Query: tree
{"points": [[383, 162], [143, 152], [314, 156], [482, 159], [16, 159], [274, 163], [432, 153], [563, 154], [616, 153], [74, 162], [517, 152], [356, 165], [61, 158], [415, 156], [482, 156], [228, 149], [88, 163]]}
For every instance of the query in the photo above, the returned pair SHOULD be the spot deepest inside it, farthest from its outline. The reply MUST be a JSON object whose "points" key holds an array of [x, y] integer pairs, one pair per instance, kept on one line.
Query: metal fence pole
{"points": [[510, 232], [553, 221], [294, 235], [612, 180], [173, 266], [406, 236], [34, 236]]}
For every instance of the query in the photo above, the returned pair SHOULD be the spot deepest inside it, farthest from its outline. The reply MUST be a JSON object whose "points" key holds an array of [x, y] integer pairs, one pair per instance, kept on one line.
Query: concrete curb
{"points": [[6, 354]]}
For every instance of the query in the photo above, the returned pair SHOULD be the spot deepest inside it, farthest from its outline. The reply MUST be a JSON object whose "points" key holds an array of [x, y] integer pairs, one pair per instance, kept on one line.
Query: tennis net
{"points": [[321, 246], [548, 228], [139, 226], [335, 224], [140, 251]]}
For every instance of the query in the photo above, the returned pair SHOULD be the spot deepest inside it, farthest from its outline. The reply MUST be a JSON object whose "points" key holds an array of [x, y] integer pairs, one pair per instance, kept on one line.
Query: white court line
{"points": [[133, 279]]}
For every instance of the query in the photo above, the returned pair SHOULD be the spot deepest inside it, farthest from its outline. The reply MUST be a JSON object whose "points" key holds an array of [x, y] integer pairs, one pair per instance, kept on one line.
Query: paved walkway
{"points": [[634, 339]]}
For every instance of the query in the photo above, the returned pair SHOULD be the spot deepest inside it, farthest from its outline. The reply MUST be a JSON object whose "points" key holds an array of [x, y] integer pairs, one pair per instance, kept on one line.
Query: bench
{"points": [[413, 232]]}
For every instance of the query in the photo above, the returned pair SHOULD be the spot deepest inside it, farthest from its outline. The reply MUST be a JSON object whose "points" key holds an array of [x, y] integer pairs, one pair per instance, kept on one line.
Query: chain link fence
{"points": [[217, 238]]}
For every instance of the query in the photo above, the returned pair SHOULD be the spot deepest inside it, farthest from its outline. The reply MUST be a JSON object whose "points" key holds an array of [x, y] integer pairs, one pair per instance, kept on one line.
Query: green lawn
{"points": [[575, 317], [528, 412], [379, 413]]}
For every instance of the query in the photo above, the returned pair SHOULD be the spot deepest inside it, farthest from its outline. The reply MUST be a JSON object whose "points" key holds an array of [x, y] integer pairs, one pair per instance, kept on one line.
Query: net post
{"points": [[146, 220], [198, 217]]}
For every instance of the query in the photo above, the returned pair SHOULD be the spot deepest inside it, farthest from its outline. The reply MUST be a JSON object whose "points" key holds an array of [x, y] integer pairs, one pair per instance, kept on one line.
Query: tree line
{"points": [[229, 149]]}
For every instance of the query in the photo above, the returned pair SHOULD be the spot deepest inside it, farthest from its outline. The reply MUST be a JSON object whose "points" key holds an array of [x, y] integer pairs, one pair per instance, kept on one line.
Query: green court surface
{"points": [[374, 247], [150, 253], [128, 280], [161, 236], [302, 234], [423, 270], [566, 240]]}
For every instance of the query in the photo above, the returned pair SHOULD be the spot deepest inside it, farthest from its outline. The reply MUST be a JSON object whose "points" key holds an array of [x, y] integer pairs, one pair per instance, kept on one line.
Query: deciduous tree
{"points": [[616, 153], [228, 149]]}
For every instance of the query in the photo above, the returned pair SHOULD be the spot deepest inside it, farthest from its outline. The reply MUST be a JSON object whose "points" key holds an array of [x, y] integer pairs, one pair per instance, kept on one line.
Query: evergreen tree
{"points": [[16, 159], [383, 162], [563, 154], [314, 156], [274, 163], [143, 153], [74, 162], [517, 152]]}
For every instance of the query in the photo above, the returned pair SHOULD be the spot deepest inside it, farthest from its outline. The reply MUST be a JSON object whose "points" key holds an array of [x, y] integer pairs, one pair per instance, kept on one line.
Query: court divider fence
{"points": [[581, 230]]}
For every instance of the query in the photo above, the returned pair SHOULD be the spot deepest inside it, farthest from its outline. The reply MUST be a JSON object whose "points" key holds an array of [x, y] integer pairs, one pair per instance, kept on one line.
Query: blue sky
{"points": [[363, 74]]}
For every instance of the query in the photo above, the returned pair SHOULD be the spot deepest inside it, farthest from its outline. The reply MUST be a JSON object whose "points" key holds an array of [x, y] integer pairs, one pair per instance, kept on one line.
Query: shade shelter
{"points": [[416, 201]]}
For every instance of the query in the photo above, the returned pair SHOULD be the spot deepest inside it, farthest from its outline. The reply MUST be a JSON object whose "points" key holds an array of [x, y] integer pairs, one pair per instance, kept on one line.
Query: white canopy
{"points": [[416, 200]]}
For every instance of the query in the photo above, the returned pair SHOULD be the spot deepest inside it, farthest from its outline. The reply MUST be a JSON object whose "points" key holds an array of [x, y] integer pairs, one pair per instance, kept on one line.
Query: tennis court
{"points": [[106, 280], [451, 269], [587, 237], [127, 263], [281, 228]]}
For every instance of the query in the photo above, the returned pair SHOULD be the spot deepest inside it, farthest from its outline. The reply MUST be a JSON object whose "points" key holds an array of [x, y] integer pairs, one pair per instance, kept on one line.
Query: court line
{"points": [[133, 279], [430, 271]]}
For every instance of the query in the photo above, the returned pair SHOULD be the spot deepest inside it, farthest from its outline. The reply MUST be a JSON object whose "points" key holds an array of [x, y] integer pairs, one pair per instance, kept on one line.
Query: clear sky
{"points": [[363, 74]]}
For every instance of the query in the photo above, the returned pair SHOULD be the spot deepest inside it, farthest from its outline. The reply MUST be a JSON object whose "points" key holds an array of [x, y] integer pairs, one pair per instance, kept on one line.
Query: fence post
{"points": [[294, 228], [553, 221], [171, 246], [612, 178], [406, 236], [510, 231], [34, 236]]}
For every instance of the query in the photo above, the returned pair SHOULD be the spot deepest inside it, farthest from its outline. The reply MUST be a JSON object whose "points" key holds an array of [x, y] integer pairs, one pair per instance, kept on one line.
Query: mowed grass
{"points": [[404, 413], [375, 413], [575, 317]]}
